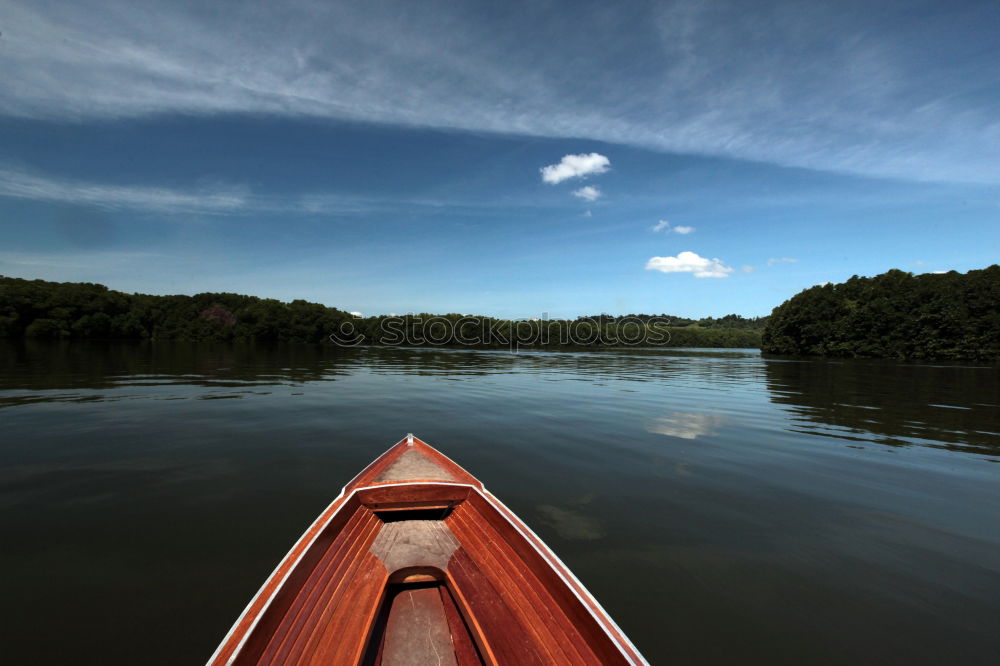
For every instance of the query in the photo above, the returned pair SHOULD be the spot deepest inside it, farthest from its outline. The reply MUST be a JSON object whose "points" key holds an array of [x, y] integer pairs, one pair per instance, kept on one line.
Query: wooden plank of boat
{"points": [[415, 562]]}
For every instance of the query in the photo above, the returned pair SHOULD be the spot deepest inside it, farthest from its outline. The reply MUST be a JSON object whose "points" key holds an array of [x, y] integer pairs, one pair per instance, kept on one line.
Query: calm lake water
{"points": [[721, 506]]}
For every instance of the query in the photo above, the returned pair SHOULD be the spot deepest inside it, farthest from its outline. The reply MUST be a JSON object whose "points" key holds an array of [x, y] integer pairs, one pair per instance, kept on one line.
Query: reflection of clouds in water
{"points": [[686, 425], [570, 524]]}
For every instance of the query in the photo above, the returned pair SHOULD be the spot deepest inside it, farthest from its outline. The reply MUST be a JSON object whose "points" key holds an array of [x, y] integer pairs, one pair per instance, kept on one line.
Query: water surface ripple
{"points": [[723, 507]]}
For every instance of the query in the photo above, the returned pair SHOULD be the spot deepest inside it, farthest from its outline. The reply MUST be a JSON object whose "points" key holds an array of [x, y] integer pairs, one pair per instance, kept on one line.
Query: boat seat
{"points": [[420, 625]]}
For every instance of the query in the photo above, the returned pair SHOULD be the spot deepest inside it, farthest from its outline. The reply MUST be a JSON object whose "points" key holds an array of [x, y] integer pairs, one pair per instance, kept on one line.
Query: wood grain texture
{"points": [[255, 625], [417, 632], [545, 578], [414, 543], [463, 643], [507, 639], [336, 582], [411, 496], [435, 460], [536, 608], [611, 644], [482, 588], [412, 465]]}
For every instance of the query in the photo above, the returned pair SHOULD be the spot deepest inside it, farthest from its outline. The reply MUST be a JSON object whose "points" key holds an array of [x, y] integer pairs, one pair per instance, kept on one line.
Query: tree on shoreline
{"points": [[893, 315], [65, 310]]}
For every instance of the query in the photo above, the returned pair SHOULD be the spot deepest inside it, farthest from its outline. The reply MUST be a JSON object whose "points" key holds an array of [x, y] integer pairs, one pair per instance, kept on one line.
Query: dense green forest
{"points": [[70, 310], [893, 315]]}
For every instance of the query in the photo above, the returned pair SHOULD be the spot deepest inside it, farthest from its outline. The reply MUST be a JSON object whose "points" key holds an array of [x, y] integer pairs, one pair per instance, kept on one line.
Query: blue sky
{"points": [[707, 157]]}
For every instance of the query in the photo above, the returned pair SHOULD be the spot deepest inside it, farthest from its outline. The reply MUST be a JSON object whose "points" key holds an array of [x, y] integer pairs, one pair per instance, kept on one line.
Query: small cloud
{"points": [[939, 272], [781, 260], [588, 214], [918, 262], [587, 193], [356, 314], [747, 268], [664, 225], [575, 166], [690, 262]]}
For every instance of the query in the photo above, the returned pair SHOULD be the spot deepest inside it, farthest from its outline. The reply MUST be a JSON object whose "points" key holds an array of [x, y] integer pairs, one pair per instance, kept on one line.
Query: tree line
{"points": [[74, 310], [893, 315], [728, 321]]}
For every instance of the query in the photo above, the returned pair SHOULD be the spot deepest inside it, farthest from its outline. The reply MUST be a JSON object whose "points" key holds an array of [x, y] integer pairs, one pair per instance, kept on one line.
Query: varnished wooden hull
{"points": [[415, 562]]}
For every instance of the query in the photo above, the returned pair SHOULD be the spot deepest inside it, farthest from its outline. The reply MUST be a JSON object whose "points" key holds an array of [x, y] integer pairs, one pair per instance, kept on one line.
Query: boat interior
{"points": [[417, 564]]}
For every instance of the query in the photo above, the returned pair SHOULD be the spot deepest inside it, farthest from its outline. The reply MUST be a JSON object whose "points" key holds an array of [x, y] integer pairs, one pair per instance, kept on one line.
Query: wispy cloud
{"points": [[740, 84], [189, 269], [63, 263], [781, 260], [665, 226], [690, 262], [24, 185], [588, 193], [575, 166], [214, 200]]}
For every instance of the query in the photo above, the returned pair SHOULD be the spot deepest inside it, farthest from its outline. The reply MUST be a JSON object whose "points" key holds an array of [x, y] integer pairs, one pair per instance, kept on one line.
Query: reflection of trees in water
{"points": [[887, 402], [694, 367], [892, 403], [40, 365], [78, 368]]}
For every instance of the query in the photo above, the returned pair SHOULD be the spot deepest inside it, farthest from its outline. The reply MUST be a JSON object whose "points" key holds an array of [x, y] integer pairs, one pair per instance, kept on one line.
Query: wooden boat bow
{"points": [[415, 562]]}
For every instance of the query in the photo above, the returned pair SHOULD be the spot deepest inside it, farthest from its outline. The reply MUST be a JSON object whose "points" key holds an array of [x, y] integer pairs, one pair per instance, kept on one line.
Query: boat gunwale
{"points": [[573, 582], [604, 620], [340, 497]]}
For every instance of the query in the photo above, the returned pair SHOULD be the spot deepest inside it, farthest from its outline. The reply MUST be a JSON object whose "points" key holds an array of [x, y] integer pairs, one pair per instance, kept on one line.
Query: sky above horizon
{"points": [[511, 159]]}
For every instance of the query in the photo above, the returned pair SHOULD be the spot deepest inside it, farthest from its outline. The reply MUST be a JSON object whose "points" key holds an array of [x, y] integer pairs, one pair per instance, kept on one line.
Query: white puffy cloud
{"points": [[587, 193], [575, 166], [681, 229], [356, 314], [690, 262]]}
